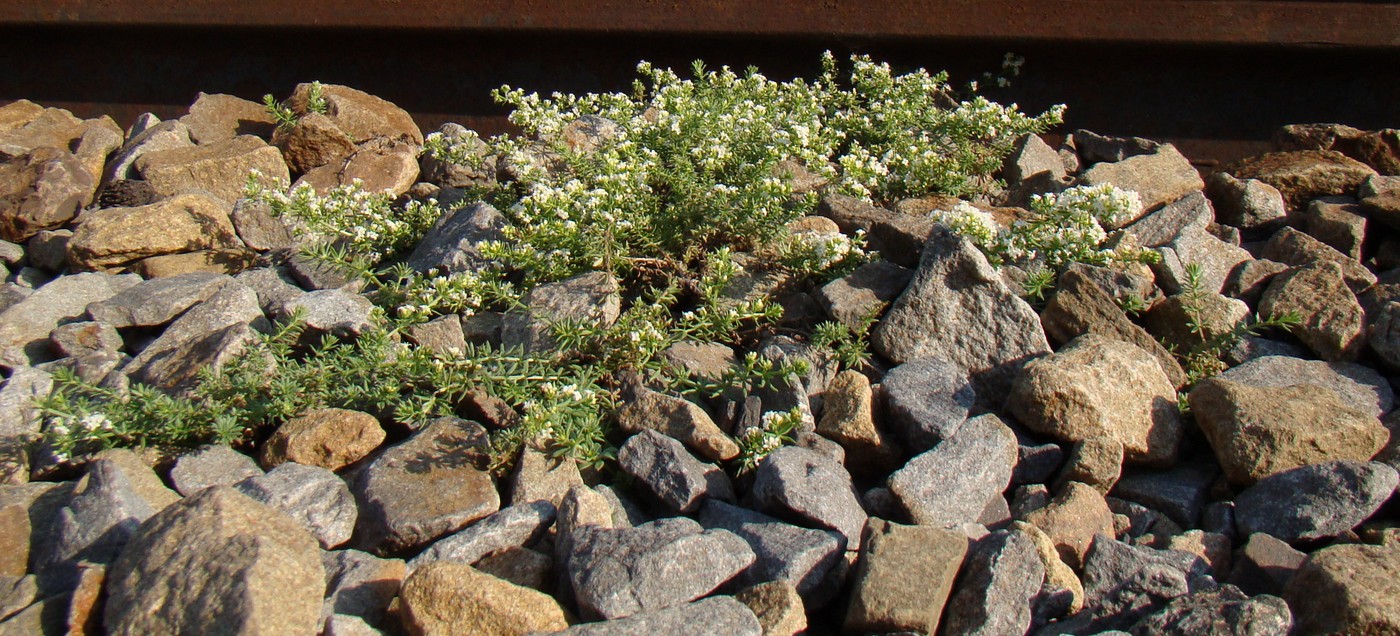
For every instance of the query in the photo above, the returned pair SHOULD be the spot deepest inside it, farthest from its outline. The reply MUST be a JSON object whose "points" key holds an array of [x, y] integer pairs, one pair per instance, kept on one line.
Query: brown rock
{"points": [[1338, 222], [1099, 387], [216, 559], [328, 438], [777, 605], [1062, 587], [1264, 565], [214, 118], [1158, 178], [51, 128], [1333, 322], [453, 598], [679, 419], [1291, 247], [1304, 175], [40, 190], [903, 578], [14, 539], [378, 166], [537, 476], [140, 476], [1072, 519], [220, 168], [108, 239], [18, 114], [84, 615], [1211, 546], [1190, 320], [848, 418], [1379, 149], [100, 138], [315, 141], [1347, 589], [1080, 306], [1258, 431], [521, 566], [1380, 198], [230, 261], [359, 115]]}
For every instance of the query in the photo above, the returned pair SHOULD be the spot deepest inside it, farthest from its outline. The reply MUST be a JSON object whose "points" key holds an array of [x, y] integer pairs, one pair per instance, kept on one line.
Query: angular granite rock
{"points": [[452, 245], [679, 419], [1095, 387], [311, 495], [1001, 576], [116, 237], [445, 598], [1347, 589], [1333, 322], [957, 309], [801, 484], [1316, 501], [953, 483], [715, 616], [514, 526], [925, 401], [1158, 178], [671, 473], [903, 577], [217, 558], [326, 438], [802, 557], [1225, 611]]}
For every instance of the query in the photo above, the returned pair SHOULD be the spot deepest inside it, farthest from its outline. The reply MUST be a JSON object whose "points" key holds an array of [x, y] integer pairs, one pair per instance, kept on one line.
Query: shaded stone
{"points": [[1072, 519], [454, 598], [453, 243], [1316, 501], [176, 368], [213, 465], [1081, 306], [346, 625], [716, 616], [1096, 148], [1180, 492], [1158, 178], [1347, 589], [218, 558], [109, 239], [1000, 578], [800, 484], [312, 274], [19, 421], [1264, 565], [925, 401], [1226, 611], [326, 438], [1360, 387], [621, 572], [903, 577], [1256, 432], [521, 566], [1377, 149], [514, 526], [777, 606], [425, 487], [16, 530], [123, 193], [848, 418], [16, 593], [155, 302], [1159, 228], [220, 168], [1303, 175], [953, 483], [48, 250], [679, 419], [1036, 462], [312, 142], [1060, 592], [216, 117], [1291, 247], [589, 297], [864, 292], [1248, 281], [26, 325], [1211, 546], [1248, 204], [360, 584], [229, 261], [99, 519], [1099, 387], [957, 309], [672, 474], [801, 557], [42, 190], [1124, 583], [312, 495], [1384, 334]]}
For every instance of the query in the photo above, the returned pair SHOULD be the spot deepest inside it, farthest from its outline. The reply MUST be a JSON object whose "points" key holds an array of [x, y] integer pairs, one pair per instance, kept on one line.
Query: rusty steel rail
{"points": [[1190, 22]]}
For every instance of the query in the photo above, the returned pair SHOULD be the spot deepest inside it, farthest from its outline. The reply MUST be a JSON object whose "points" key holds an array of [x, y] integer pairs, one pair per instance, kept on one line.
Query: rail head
{"points": [[1188, 22]]}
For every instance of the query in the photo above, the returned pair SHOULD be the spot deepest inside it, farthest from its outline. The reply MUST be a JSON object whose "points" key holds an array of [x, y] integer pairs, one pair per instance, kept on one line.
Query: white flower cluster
{"points": [[1066, 227], [69, 431], [814, 252], [430, 295], [366, 222]]}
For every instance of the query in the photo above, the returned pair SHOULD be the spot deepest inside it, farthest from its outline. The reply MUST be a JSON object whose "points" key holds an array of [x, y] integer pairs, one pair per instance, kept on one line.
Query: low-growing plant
{"points": [[285, 117], [1204, 359], [660, 187], [775, 430]]}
